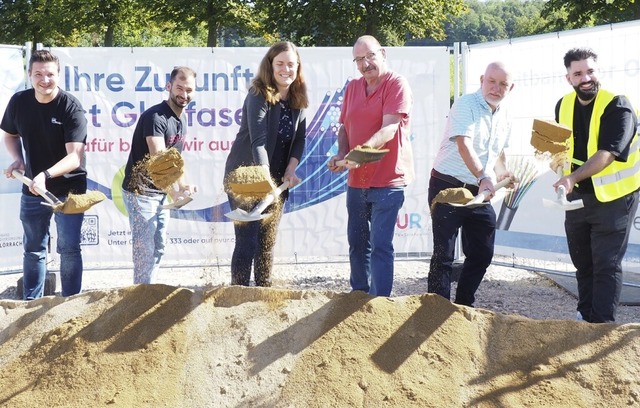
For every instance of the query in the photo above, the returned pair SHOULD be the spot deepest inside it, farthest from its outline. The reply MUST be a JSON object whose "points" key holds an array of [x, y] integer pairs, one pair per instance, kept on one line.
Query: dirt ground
{"points": [[191, 340]]}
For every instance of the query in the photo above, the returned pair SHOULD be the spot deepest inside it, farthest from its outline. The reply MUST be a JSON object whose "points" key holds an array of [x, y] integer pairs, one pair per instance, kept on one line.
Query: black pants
{"points": [[478, 227], [597, 236], [254, 245]]}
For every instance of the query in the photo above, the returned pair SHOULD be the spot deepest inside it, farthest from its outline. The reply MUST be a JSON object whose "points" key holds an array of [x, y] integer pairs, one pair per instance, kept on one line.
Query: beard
{"points": [[587, 95], [179, 103]]}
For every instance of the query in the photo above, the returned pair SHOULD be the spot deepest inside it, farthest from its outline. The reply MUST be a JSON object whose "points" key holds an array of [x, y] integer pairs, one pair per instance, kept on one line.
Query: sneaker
{"points": [[579, 317]]}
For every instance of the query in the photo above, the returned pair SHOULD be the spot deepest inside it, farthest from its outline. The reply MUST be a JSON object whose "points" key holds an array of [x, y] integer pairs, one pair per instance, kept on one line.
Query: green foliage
{"points": [[175, 23], [582, 13], [35, 21], [219, 18], [339, 23]]}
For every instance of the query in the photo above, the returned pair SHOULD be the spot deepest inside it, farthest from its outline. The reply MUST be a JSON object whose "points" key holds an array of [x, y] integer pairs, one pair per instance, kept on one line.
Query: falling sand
{"points": [[162, 346]]}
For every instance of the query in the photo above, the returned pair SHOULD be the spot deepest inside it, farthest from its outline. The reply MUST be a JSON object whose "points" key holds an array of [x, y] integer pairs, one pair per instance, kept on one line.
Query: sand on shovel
{"points": [[79, 203], [249, 182], [550, 137], [458, 195]]}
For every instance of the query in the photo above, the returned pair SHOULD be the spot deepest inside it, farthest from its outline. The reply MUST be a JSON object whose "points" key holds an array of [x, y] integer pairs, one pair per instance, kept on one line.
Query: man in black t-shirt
{"points": [[602, 171], [45, 130], [160, 127]]}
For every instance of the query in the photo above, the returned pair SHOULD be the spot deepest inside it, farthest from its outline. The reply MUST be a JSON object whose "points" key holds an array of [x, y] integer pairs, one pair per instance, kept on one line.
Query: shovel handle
{"points": [[344, 162], [49, 197], [496, 187], [270, 198]]}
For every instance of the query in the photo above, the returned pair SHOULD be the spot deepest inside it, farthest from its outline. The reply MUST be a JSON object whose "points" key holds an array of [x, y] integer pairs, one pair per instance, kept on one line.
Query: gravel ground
{"points": [[505, 289]]}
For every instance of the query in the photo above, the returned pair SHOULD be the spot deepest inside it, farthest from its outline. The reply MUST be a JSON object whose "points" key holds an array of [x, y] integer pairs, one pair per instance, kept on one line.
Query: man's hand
{"points": [[331, 164], [16, 165]]}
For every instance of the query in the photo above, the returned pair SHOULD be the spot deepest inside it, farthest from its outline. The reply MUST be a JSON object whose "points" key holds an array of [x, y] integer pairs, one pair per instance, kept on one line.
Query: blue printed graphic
{"points": [[318, 183]]}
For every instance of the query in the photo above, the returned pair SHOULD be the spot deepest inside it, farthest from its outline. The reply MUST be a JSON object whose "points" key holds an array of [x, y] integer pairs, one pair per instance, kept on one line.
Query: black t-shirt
{"points": [[157, 121], [45, 128], [617, 127]]}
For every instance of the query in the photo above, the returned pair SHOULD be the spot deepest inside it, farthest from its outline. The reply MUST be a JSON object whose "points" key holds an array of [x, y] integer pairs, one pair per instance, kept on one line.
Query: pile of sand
{"points": [[162, 346]]}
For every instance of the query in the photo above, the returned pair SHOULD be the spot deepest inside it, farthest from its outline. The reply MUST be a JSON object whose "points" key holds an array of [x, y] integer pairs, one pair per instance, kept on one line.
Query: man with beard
{"points": [[602, 171], [160, 127], [471, 156]]}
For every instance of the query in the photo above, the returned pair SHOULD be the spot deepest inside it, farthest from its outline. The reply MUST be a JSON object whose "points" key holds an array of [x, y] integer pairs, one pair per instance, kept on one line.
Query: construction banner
{"points": [[115, 85]]}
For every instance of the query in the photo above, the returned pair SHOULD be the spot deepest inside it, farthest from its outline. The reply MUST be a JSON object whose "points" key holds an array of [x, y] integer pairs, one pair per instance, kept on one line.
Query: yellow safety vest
{"points": [[617, 179]]}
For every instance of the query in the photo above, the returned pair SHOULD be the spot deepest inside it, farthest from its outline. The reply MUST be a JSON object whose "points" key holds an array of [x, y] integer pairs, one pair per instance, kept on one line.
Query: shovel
{"points": [[561, 202], [480, 198], [256, 213], [179, 203], [74, 204], [47, 195], [362, 155]]}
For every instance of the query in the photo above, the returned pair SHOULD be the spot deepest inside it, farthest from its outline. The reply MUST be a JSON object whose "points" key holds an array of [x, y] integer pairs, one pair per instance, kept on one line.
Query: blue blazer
{"points": [[256, 139]]}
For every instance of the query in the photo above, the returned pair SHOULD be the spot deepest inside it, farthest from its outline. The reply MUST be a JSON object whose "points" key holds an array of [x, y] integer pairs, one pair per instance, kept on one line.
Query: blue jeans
{"points": [[36, 219], [478, 226], [597, 236], [372, 219], [148, 224]]}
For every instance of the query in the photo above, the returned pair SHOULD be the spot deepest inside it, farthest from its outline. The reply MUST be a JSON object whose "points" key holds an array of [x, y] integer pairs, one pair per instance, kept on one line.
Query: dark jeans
{"points": [[478, 228], [36, 219], [597, 236], [254, 245]]}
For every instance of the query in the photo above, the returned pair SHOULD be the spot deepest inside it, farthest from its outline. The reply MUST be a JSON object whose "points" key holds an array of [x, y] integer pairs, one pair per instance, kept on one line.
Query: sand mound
{"points": [[162, 346]]}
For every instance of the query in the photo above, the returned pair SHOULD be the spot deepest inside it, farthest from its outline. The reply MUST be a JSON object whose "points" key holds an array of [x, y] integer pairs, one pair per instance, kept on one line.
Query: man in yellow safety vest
{"points": [[603, 171]]}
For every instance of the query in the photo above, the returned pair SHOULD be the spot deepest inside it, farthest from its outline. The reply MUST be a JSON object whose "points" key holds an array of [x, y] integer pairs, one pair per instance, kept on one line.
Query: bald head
{"points": [[496, 83], [367, 40], [370, 58]]}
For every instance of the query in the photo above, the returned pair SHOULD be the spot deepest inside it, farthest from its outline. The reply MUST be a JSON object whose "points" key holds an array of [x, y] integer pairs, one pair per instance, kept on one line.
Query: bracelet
{"points": [[484, 176], [47, 175]]}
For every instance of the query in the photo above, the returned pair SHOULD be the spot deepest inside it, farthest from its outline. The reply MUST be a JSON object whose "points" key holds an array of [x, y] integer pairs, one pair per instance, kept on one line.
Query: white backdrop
{"points": [[116, 84], [537, 64]]}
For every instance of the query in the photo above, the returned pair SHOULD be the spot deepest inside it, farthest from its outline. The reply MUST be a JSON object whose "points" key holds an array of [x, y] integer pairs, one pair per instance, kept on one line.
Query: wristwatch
{"points": [[484, 176], [47, 175]]}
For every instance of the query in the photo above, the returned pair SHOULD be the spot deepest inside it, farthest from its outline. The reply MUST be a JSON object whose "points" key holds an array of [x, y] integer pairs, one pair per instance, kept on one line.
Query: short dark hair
{"points": [[579, 54], [182, 72], [43, 56]]}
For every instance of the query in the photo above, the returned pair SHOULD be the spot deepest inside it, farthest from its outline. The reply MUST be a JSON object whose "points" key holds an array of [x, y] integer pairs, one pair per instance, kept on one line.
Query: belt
{"points": [[454, 181]]}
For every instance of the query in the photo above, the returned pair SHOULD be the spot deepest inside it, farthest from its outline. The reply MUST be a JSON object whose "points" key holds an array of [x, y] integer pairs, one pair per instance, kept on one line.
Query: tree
{"points": [[334, 22], [38, 21], [498, 20], [581, 13], [108, 21], [217, 17]]}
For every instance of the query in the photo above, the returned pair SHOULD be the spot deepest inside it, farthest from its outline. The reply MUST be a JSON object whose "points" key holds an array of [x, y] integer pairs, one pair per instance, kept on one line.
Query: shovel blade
{"points": [[563, 205], [177, 204], [241, 215]]}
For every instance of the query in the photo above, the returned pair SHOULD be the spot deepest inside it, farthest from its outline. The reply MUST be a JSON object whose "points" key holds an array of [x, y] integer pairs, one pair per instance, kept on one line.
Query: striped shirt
{"points": [[471, 116]]}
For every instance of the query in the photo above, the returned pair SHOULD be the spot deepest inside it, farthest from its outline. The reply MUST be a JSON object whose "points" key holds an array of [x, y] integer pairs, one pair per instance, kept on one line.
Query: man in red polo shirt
{"points": [[375, 113]]}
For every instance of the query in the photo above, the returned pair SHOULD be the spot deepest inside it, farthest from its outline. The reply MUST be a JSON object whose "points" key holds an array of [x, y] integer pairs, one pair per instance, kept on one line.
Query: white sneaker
{"points": [[579, 317]]}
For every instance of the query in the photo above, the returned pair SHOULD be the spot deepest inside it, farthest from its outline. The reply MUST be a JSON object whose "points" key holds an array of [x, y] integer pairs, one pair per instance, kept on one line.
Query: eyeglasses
{"points": [[370, 56]]}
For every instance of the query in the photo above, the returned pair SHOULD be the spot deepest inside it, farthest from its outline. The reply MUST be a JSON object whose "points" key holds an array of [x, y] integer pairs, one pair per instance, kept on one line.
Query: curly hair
{"points": [[579, 54]]}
